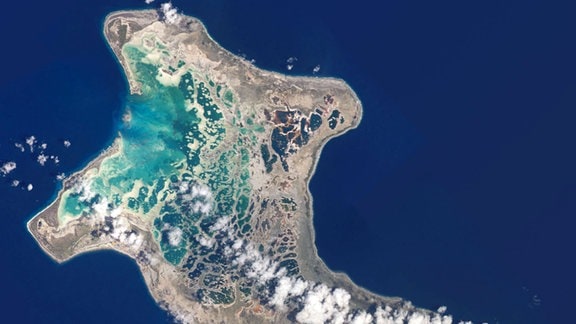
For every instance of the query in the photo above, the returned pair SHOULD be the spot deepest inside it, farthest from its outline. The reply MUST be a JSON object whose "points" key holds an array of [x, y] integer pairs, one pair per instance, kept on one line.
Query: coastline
{"points": [[115, 45], [51, 217], [312, 265], [339, 276]]}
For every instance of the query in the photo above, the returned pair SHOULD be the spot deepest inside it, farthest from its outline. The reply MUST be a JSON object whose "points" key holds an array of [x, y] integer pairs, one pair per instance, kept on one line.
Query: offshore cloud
{"points": [[20, 147], [31, 141], [41, 158], [7, 167]]}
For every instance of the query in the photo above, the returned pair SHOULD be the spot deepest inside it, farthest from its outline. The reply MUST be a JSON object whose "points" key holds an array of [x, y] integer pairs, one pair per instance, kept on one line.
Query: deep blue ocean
{"points": [[457, 189]]}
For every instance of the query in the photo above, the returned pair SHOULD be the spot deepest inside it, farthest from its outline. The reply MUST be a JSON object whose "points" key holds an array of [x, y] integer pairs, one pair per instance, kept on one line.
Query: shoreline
{"points": [[244, 61], [112, 149], [338, 275], [316, 270]]}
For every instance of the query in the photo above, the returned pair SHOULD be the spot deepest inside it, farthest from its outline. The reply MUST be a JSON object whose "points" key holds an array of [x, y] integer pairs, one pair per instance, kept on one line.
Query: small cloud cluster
{"points": [[311, 302], [406, 314], [196, 197], [316, 69], [114, 225], [170, 13], [175, 236], [291, 59], [290, 63], [7, 167], [42, 157], [322, 304], [149, 1], [38, 149], [20, 147], [83, 189], [221, 224], [205, 240], [288, 287], [122, 230], [31, 141]]}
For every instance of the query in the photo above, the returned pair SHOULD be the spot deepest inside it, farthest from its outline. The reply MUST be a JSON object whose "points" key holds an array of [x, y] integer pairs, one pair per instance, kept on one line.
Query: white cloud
{"points": [[175, 236], [149, 1], [315, 302], [67, 143], [341, 297], [201, 207], [205, 240], [133, 239], [19, 146], [291, 60], [360, 317], [418, 318], [321, 305], [406, 313], [441, 319], [221, 225], [316, 69], [7, 167], [31, 141], [196, 195], [83, 189], [120, 226], [238, 244], [200, 190], [183, 187], [30, 187], [282, 292], [41, 158], [100, 208], [288, 288], [170, 13], [114, 213]]}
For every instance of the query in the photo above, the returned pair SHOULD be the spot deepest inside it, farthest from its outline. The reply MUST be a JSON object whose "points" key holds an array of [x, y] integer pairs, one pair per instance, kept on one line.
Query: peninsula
{"points": [[206, 186]]}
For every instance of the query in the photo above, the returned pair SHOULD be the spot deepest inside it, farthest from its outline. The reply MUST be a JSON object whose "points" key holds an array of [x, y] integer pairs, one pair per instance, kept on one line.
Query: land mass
{"points": [[206, 187]]}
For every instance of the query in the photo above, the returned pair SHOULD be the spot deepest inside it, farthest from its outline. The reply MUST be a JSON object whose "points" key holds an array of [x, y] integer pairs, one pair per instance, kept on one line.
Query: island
{"points": [[206, 185]]}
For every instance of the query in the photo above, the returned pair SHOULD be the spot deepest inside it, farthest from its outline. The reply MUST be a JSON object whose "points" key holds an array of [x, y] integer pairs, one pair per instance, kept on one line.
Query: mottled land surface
{"points": [[206, 187]]}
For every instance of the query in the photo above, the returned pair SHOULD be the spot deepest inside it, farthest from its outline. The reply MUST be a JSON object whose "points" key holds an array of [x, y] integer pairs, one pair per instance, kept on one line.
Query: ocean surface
{"points": [[457, 189]]}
